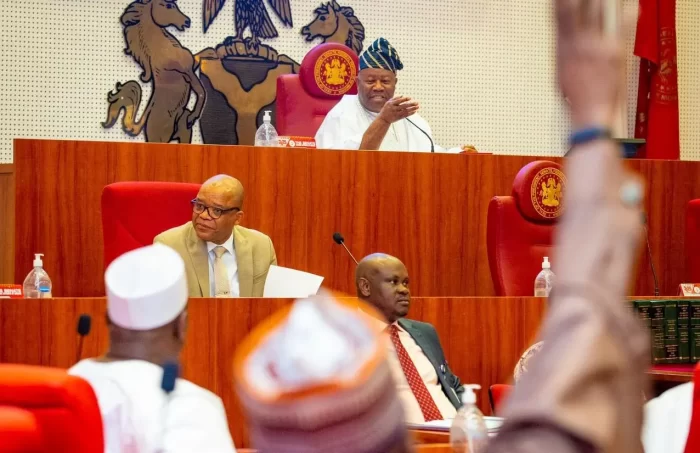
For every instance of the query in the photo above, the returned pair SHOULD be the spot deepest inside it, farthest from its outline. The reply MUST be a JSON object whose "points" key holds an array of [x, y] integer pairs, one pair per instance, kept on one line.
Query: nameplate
{"points": [[689, 290], [10, 291], [297, 142]]}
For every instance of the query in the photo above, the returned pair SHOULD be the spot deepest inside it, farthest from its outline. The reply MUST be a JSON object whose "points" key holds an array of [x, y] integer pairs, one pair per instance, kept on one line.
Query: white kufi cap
{"points": [[146, 288]]}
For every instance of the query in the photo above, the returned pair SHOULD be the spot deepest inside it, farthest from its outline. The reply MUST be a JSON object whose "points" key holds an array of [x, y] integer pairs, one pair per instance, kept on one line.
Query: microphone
{"points": [[170, 372], [167, 384], [340, 240], [83, 329], [432, 145], [651, 258]]}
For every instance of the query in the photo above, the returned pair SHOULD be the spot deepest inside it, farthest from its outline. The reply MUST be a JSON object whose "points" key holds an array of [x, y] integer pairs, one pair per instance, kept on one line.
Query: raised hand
{"points": [[397, 109]]}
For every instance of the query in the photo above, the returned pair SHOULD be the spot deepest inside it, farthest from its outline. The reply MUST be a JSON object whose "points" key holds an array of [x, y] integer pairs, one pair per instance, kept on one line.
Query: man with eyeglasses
{"points": [[222, 258]]}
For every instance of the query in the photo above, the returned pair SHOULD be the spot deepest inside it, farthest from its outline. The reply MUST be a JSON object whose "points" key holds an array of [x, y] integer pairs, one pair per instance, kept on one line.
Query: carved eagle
{"points": [[253, 14]]}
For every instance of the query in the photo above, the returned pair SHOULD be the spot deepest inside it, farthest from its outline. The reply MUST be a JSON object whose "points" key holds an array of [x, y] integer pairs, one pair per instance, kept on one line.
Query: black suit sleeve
{"points": [[452, 379]]}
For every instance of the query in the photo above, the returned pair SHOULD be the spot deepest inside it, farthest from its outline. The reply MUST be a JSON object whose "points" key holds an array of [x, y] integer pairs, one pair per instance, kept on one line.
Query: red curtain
{"points": [[657, 103]]}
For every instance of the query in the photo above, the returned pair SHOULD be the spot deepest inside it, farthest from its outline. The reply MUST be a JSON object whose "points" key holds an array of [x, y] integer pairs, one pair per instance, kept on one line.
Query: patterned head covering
{"points": [[314, 378], [381, 55], [521, 367]]}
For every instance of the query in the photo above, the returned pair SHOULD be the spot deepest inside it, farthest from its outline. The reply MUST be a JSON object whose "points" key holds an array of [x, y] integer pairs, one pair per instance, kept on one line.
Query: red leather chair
{"points": [[133, 213], [520, 228], [497, 395], [692, 242], [327, 73], [64, 407], [19, 431]]}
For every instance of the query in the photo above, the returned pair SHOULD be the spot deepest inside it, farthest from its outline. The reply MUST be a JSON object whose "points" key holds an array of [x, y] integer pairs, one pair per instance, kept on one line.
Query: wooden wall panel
{"points": [[482, 337], [7, 223], [429, 210]]}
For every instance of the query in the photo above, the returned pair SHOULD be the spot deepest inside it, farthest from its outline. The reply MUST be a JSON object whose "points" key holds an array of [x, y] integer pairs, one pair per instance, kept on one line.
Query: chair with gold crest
{"points": [[520, 227], [327, 73]]}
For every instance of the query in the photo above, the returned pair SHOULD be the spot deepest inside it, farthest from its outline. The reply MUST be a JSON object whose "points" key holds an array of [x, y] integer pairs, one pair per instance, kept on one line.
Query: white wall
{"points": [[483, 70]]}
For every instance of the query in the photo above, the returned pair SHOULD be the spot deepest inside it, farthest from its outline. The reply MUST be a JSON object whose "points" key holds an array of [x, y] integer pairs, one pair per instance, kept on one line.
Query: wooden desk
{"points": [[425, 436], [7, 223], [482, 337], [679, 374], [428, 209]]}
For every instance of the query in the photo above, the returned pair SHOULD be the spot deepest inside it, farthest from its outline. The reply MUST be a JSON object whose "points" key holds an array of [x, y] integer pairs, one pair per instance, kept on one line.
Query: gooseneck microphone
{"points": [[432, 145], [651, 257], [83, 329], [340, 240]]}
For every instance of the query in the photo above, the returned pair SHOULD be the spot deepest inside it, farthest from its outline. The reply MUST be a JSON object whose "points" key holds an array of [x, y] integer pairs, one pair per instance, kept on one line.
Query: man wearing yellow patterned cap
{"points": [[314, 378], [375, 118]]}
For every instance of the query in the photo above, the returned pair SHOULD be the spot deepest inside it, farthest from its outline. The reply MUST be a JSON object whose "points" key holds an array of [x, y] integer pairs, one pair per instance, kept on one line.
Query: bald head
{"points": [[382, 280], [226, 185], [223, 197]]}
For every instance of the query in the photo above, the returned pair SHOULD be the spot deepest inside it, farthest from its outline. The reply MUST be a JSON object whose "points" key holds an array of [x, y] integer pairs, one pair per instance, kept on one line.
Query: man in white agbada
{"points": [[147, 317], [667, 420], [374, 119]]}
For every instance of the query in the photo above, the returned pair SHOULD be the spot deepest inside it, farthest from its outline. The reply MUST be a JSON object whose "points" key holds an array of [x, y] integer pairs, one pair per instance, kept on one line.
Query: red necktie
{"points": [[415, 382]]}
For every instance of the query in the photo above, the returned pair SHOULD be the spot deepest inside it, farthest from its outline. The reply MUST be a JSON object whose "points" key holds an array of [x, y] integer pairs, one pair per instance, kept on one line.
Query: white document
{"points": [[285, 282], [492, 424]]}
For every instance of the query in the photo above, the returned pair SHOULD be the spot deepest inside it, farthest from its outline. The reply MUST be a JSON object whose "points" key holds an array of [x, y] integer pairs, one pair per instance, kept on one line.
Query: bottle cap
{"points": [[37, 260], [266, 117], [469, 397], [546, 264]]}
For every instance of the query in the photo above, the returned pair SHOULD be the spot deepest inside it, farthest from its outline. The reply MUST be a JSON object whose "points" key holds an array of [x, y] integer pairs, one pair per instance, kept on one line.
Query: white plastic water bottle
{"points": [[468, 433], [266, 134], [544, 280], [37, 285]]}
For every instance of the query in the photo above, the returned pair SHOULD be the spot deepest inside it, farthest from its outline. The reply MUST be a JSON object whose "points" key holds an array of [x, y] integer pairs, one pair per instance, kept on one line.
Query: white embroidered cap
{"points": [[146, 288]]}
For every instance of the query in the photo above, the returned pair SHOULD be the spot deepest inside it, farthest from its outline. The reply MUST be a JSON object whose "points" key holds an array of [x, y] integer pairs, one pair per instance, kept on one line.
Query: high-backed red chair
{"points": [[497, 395], [19, 431], [692, 242], [520, 227], [133, 213], [327, 73], [64, 406]]}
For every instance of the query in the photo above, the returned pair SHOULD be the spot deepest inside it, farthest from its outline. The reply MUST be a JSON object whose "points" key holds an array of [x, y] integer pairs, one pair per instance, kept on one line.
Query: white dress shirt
{"points": [[428, 376], [138, 417], [229, 259], [667, 420], [427, 373]]}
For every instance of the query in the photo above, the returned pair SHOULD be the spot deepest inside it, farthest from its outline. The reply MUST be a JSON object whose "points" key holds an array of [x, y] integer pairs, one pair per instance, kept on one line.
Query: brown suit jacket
{"points": [[254, 254]]}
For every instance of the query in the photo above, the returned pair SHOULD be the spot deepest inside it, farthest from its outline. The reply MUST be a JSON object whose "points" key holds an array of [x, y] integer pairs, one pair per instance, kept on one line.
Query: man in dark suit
{"points": [[427, 387]]}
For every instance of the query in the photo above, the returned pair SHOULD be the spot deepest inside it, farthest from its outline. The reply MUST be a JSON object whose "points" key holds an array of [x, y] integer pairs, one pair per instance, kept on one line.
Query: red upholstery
{"points": [[304, 99], [64, 406], [692, 242], [497, 395], [692, 445], [520, 228], [19, 431], [133, 213]]}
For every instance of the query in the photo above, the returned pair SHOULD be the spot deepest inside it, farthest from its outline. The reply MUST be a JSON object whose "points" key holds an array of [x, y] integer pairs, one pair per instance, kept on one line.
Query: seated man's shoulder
{"points": [[419, 325], [253, 235], [188, 390], [174, 234], [419, 121]]}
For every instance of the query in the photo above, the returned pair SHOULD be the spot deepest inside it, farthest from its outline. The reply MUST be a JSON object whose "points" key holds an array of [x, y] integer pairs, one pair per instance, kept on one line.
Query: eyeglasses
{"points": [[198, 207]]}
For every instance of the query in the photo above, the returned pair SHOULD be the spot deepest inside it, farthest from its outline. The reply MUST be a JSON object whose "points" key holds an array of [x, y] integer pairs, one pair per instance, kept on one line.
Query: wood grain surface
{"points": [[482, 337], [427, 209], [7, 223]]}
